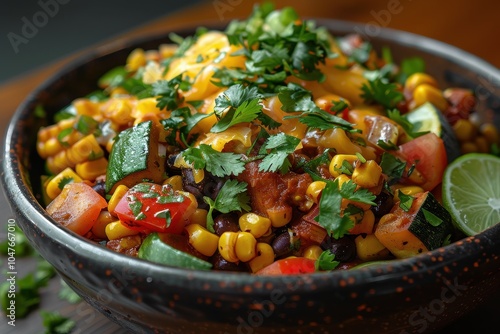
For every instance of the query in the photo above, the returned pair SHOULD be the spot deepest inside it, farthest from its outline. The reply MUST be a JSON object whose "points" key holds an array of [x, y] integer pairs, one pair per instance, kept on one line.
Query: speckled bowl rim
{"points": [[21, 198]]}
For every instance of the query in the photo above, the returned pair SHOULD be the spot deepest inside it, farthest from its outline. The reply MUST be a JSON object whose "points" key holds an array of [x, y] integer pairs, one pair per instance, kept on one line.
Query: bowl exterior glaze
{"points": [[415, 295]]}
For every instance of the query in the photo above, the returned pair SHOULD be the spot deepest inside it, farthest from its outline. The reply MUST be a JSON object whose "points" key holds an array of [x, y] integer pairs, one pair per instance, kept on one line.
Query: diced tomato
{"points": [[153, 207], [297, 265], [428, 154], [77, 207]]}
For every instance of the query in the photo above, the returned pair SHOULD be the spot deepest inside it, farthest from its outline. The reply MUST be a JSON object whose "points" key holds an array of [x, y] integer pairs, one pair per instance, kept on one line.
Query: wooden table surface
{"points": [[470, 25]]}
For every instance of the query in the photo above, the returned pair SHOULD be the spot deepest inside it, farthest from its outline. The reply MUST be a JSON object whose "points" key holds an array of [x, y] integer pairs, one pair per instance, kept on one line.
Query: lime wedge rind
{"points": [[471, 192]]}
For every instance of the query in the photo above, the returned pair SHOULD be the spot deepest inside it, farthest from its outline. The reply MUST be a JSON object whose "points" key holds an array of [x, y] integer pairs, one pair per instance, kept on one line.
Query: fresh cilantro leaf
{"points": [[410, 66], [86, 125], [67, 294], [432, 218], [246, 112], [326, 261], [396, 116], [279, 147], [381, 91], [294, 98], [392, 166], [218, 163], [55, 323], [64, 181], [348, 191], [168, 92], [405, 201], [239, 103], [62, 136], [311, 166], [388, 146], [231, 197], [179, 125], [22, 247]]}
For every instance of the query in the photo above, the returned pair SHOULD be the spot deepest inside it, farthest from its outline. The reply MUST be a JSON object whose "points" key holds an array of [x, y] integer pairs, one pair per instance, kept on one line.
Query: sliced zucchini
{"points": [[425, 226], [427, 118]]}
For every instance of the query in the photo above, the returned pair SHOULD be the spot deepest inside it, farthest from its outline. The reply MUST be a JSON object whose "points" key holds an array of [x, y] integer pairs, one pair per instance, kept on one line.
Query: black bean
{"points": [[100, 188], [221, 264], [344, 248], [282, 244], [226, 222], [384, 203]]}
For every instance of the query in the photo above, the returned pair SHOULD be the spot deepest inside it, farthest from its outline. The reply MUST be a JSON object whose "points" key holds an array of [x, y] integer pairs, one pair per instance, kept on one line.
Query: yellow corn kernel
{"points": [[254, 224], [265, 256], [280, 216], [118, 91], [116, 230], [338, 161], [490, 131], [90, 170], [198, 175], [199, 217], [407, 190], [427, 93], [202, 240], [367, 175], [146, 107], [49, 148], [130, 241], [52, 131], [85, 149], [482, 144], [245, 247], [342, 178], [175, 181], [54, 187], [417, 79], [369, 248], [227, 244], [135, 60], [85, 106], [99, 228], [119, 111], [314, 189], [116, 197], [312, 252], [464, 130]]}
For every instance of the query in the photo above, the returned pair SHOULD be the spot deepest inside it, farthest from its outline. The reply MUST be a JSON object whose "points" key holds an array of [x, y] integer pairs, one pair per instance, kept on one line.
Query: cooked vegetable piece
{"points": [[135, 157], [152, 207], [155, 250], [289, 266], [428, 154], [425, 226], [77, 207]]}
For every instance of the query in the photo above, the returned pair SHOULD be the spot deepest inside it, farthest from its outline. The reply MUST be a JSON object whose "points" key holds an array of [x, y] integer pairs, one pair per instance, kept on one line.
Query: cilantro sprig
{"points": [[279, 147], [381, 90], [231, 197], [218, 163], [331, 216]]}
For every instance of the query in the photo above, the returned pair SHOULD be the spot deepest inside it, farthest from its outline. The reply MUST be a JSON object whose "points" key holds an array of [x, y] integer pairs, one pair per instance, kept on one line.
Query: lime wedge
{"points": [[471, 192]]}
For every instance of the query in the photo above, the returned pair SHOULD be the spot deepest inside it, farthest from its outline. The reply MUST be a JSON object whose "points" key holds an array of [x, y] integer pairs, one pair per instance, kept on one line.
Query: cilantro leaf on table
{"points": [[279, 147], [218, 163], [381, 91], [231, 197], [66, 293], [55, 323], [22, 247], [326, 261]]}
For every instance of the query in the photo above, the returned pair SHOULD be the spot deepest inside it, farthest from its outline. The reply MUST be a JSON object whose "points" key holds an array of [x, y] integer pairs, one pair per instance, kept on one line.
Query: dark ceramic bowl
{"points": [[420, 294]]}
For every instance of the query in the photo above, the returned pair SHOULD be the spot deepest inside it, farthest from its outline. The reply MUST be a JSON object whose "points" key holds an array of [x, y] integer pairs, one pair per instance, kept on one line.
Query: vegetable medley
{"points": [[271, 148]]}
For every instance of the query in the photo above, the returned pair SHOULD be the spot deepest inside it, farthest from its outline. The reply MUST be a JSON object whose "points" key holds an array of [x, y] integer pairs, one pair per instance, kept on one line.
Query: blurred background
{"points": [[39, 32]]}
